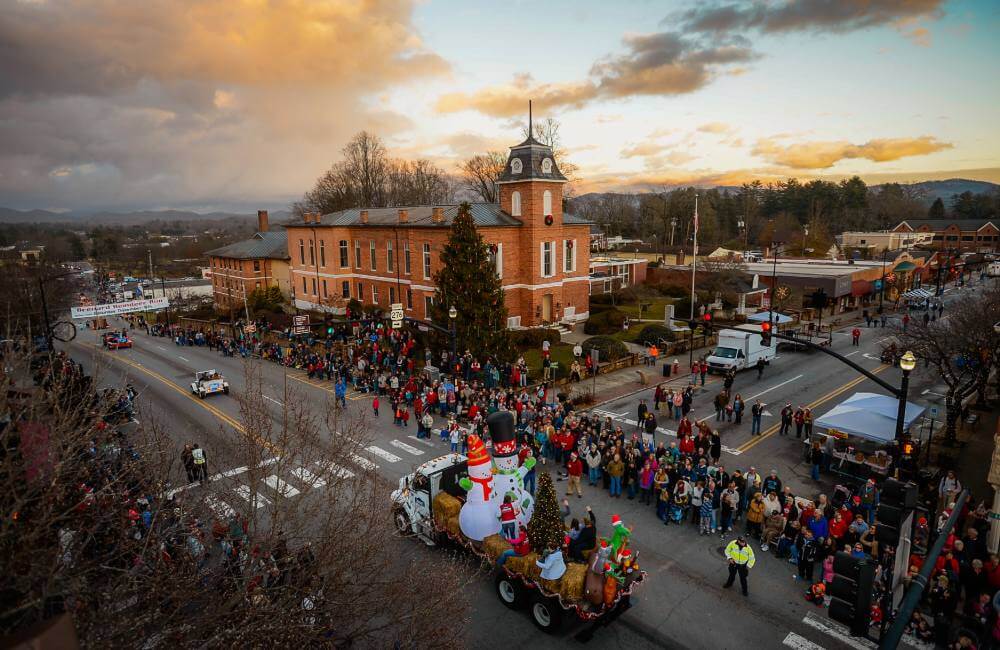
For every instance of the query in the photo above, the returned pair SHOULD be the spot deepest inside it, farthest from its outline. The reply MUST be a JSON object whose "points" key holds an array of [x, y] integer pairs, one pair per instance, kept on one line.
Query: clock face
{"points": [[547, 166], [515, 166]]}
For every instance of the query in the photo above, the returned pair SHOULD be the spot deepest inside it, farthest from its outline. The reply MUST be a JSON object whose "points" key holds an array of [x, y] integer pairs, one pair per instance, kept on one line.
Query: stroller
{"points": [[676, 513], [841, 495]]}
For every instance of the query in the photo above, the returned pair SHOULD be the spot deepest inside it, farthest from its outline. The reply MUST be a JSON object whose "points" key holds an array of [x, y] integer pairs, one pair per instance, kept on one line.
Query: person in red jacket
{"points": [[575, 470], [838, 526], [856, 336], [684, 427]]}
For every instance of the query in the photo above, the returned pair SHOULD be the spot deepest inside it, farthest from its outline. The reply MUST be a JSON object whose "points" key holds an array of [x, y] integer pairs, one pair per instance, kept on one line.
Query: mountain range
{"points": [[926, 190]]}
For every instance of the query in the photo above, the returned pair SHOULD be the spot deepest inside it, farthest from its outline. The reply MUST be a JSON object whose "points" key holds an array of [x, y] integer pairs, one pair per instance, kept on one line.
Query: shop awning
{"points": [[764, 316], [903, 267], [870, 416], [918, 294], [861, 288]]}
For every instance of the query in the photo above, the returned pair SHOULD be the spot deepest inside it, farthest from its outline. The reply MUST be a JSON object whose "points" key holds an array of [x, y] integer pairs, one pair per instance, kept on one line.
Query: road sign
{"points": [[934, 411], [300, 324], [396, 314]]}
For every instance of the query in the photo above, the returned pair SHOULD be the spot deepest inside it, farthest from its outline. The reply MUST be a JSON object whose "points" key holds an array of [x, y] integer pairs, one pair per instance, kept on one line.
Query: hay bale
{"points": [[571, 585], [453, 527], [524, 565], [447, 505], [495, 545], [550, 586]]}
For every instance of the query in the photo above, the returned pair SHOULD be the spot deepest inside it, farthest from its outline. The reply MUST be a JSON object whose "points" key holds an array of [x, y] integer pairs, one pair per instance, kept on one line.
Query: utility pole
{"points": [[694, 254]]}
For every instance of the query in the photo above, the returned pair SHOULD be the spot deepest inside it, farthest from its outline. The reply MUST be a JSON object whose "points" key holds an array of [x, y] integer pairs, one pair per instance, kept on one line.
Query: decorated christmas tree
{"points": [[545, 529], [468, 282]]}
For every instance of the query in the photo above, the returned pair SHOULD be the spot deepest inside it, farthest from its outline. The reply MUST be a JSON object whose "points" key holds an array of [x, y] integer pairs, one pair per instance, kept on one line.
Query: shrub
{"points": [[533, 338], [673, 290], [600, 299], [653, 333], [608, 349], [608, 321]]}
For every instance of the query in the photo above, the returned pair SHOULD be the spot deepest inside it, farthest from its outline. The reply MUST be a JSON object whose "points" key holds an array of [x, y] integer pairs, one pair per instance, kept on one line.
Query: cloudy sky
{"points": [[233, 104]]}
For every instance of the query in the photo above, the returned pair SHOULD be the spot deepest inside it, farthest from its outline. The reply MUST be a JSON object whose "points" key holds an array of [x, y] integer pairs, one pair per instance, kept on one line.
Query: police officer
{"points": [[741, 560]]}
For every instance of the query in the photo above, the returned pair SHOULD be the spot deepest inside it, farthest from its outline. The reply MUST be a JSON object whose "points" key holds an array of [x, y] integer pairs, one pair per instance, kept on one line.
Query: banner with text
{"points": [[115, 308]]}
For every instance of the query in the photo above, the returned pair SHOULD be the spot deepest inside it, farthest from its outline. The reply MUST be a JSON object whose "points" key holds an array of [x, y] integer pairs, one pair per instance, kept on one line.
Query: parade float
{"points": [[464, 500]]}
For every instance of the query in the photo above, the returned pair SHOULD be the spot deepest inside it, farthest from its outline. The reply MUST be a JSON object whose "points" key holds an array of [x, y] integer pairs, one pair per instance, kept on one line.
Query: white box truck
{"points": [[738, 349]]}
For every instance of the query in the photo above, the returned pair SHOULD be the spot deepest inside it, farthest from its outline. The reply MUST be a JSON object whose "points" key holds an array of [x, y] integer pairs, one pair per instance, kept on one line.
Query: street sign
{"points": [[300, 324], [934, 411], [396, 314]]}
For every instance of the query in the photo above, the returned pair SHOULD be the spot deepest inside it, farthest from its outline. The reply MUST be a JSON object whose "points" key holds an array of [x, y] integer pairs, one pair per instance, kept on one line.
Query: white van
{"points": [[738, 349]]}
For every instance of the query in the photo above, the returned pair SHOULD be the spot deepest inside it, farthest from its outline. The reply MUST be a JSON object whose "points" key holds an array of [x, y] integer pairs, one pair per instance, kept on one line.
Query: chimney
{"points": [[437, 215], [404, 216], [262, 221], [364, 217]]}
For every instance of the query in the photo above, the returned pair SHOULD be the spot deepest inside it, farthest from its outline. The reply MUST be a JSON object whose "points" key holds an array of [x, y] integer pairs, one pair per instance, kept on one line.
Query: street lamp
{"points": [[906, 363], [452, 315], [673, 224]]}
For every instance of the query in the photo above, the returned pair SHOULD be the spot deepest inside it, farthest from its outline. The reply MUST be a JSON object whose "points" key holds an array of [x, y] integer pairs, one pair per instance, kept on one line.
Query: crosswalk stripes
{"points": [[250, 496], [219, 507], [423, 441], [382, 453], [364, 462], [793, 640], [837, 631], [306, 476], [275, 483], [407, 448], [335, 469]]}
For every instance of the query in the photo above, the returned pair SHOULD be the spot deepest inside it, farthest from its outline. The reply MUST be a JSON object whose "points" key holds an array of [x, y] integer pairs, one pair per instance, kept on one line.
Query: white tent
{"points": [[764, 316], [869, 415], [918, 294]]}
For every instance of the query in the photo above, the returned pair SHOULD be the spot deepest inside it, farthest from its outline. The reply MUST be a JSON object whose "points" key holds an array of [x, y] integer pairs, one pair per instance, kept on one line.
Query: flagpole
{"points": [[694, 256]]}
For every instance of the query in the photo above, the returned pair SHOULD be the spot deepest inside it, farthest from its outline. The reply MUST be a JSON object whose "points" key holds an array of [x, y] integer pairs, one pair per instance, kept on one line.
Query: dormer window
{"points": [[547, 166], [515, 166]]}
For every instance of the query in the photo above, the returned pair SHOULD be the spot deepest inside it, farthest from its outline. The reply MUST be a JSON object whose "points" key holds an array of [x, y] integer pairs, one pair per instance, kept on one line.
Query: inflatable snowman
{"points": [[508, 473], [478, 518]]}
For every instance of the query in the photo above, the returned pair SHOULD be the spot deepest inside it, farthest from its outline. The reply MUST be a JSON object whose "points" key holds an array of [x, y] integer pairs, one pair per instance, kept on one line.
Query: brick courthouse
{"points": [[386, 255]]}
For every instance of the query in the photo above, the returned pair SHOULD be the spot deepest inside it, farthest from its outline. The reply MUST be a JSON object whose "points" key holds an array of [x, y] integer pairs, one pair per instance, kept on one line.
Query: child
{"points": [[816, 594], [706, 513], [375, 405]]}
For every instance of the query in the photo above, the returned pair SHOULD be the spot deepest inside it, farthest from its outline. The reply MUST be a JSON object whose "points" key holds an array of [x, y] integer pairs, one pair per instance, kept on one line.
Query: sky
{"points": [[239, 104]]}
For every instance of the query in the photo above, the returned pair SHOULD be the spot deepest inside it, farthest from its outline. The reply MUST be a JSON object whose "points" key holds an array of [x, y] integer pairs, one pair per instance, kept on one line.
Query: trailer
{"points": [[417, 511]]}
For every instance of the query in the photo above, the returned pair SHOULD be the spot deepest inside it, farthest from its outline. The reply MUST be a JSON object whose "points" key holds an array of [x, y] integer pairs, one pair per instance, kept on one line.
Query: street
{"points": [[686, 571]]}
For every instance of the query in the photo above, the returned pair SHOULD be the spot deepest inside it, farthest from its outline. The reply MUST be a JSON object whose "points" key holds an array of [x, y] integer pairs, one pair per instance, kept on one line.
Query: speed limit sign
{"points": [[396, 314]]}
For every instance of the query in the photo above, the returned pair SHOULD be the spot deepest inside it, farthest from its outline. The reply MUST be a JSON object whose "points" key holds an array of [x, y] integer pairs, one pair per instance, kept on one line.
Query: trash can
{"points": [[666, 369]]}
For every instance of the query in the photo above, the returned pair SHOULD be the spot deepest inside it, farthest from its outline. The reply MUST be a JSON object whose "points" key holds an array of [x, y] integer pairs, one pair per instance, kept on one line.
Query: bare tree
{"points": [[93, 531], [479, 174]]}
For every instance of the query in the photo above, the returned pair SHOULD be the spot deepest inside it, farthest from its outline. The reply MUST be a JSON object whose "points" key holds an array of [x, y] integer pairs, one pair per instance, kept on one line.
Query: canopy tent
{"points": [[904, 266], [918, 294], [870, 416], [765, 316]]}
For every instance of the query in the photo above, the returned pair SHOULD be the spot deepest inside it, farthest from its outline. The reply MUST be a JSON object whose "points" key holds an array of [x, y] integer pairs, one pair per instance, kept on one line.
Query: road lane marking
{"points": [[363, 462], [399, 444], [768, 390], [220, 508], [306, 476], [273, 400], [793, 640], [837, 632], [232, 472], [250, 497], [421, 440], [851, 354], [182, 358], [335, 469], [275, 483], [200, 402], [383, 454], [822, 400], [162, 348]]}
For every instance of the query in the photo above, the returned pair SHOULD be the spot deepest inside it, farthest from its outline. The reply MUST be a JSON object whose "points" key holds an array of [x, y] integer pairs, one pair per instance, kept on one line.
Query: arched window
{"points": [[547, 203], [515, 204]]}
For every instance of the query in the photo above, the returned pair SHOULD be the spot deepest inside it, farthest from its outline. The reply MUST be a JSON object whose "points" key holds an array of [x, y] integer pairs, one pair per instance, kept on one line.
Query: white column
{"points": [[993, 540]]}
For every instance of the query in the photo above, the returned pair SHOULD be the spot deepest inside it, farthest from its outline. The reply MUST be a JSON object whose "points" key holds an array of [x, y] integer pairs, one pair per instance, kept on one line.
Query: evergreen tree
{"points": [[468, 282], [937, 209], [545, 530]]}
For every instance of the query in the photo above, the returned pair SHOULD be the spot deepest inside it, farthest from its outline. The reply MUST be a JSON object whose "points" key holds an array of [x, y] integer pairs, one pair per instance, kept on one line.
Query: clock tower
{"points": [[531, 185]]}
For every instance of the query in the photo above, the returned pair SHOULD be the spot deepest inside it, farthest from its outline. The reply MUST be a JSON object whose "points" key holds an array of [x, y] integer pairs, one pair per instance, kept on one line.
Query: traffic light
{"points": [[897, 500], [851, 592], [765, 334], [692, 325], [707, 323], [819, 299]]}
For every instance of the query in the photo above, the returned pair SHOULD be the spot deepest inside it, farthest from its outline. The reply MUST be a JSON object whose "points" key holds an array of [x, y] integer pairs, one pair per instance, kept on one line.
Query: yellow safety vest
{"points": [[740, 555]]}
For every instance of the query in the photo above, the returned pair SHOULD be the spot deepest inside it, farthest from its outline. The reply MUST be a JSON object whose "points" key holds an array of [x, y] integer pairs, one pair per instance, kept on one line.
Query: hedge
{"points": [[652, 333], [609, 321], [609, 349], [533, 338]]}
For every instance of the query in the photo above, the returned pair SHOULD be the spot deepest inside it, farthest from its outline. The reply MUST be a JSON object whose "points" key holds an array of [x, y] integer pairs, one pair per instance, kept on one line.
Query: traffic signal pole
{"points": [[917, 585]]}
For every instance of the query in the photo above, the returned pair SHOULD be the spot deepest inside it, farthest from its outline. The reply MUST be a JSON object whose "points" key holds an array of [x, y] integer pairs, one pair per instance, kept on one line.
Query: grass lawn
{"points": [[654, 310], [561, 353]]}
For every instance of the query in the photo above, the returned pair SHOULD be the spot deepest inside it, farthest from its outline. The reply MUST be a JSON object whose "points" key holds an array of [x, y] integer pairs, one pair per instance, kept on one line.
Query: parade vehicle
{"points": [[441, 503], [207, 382], [116, 341], [738, 349]]}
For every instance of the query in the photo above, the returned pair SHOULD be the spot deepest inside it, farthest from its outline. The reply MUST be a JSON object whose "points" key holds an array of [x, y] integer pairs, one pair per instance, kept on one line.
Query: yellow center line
{"points": [[837, 391], [200, 402]]}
